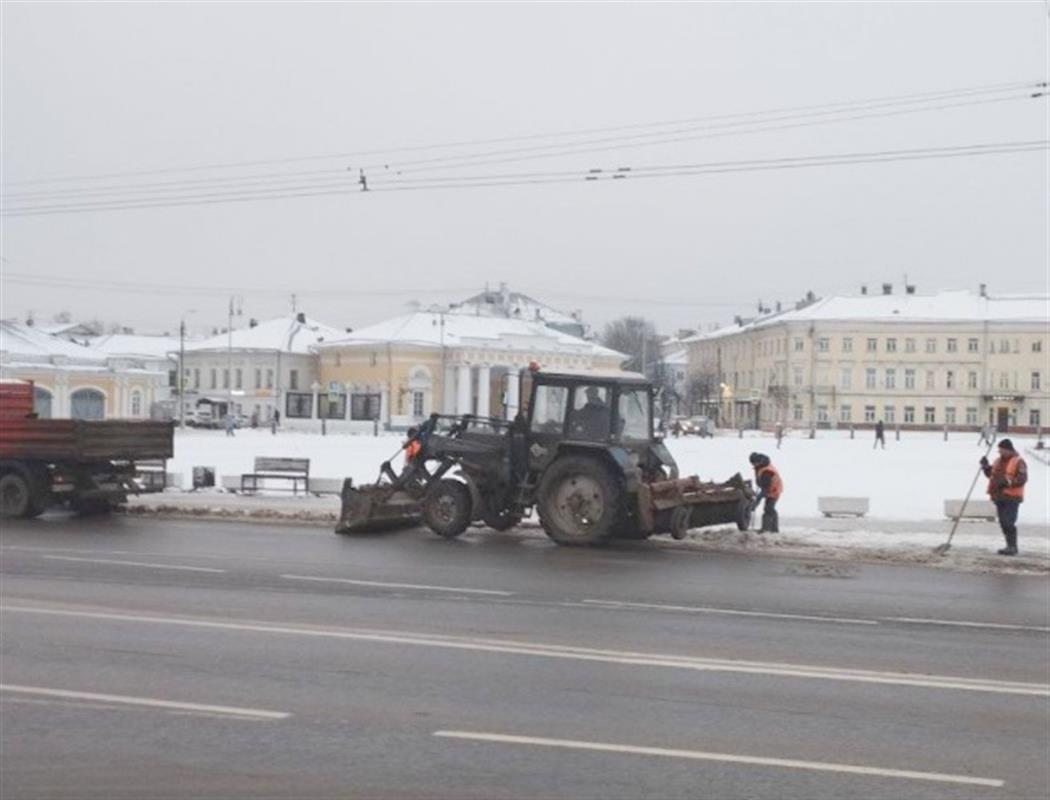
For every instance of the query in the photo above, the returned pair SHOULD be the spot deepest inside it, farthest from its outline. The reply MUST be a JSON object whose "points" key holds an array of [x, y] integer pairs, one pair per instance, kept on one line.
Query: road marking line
{"points": [[134, 563], [700, 755], [729, 611], [544, 650], [384, 585], [962, 624], [229, 711]]}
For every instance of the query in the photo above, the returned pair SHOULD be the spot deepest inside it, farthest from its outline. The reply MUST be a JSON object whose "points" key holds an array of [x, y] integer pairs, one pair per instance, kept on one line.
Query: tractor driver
{"points": [[591, 421]]}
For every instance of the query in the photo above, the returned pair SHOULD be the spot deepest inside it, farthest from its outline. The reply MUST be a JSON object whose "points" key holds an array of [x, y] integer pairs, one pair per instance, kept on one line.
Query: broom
{"points": [[942, 549]]}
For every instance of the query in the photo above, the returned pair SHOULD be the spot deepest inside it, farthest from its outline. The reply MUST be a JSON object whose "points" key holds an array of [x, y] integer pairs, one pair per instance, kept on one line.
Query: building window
{"points": [[214, 378], [87, 404], [931, 379], [949, 415], [953, 345], [1004, 380], [797, 376], [196, 378], [971, 415], [238, 378], [258, 379], [847, 344], [269, 379], [1037, 346], [297, 405], [173, 376], [42, 402], [293, 379], [364, 406], [800, 345], [372, 360], [929, 415], [226, 379], [869, 378], [1037, 381], [889, 414], [417, 404], [873, 345], [931, 345], [891, 345], [1004, 345], [891, 379], [869, 413], [909, 379], [949, 379], [909, 345], [797, 413], [822, 344], [331, 406], [822, 413], [971, 380], [846, 413], [1033, 418], [136, 403], [846, 380], [909, 414], [973, 346]]}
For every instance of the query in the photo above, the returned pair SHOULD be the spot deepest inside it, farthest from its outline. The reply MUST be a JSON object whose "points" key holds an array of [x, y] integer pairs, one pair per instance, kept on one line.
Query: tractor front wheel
{"points": [[448, 508], [579, 501]]}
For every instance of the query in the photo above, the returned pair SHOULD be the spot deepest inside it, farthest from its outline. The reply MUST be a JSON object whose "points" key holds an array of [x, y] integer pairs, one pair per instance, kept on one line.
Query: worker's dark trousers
{"points": [[1007, 512], [770, 520]]}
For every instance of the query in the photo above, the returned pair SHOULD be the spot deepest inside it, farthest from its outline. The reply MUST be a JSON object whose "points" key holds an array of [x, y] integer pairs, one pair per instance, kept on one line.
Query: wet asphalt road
{"points": [[157, 658]]}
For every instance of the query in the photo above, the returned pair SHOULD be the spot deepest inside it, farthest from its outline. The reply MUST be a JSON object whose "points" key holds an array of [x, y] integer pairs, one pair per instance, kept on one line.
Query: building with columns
{"points": [[954, 359], [76, 381], [398, 372]]}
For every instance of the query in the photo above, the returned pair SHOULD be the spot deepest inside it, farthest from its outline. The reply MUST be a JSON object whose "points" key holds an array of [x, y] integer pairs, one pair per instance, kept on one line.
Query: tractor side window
{"points": [[634, 414], [591, 414], [548, 412]]}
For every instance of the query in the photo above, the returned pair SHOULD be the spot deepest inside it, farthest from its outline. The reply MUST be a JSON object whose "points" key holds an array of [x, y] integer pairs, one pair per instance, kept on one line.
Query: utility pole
{"points": [[182, 372], [229, 358]]}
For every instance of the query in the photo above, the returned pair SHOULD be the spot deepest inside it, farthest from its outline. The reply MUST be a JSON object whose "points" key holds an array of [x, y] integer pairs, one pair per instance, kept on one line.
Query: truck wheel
{"points": [[579, 501], [448, 508], [501, 521], [15, 496]]}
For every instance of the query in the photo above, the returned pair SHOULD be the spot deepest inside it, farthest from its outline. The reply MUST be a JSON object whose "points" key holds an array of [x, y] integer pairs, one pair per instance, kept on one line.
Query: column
{"points": [[384, 405], [463, 389], [513, 387], [484, 391], [448, 391]]}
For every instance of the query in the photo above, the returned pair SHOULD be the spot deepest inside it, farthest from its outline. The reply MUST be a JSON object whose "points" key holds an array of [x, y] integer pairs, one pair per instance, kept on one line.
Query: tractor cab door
{"points": [[546, 418]]}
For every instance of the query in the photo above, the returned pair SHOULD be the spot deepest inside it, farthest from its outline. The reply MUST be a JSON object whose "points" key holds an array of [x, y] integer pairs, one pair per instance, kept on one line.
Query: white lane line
{"points": [[962, 624], [385, 585], [149, 702], [544, 650], [134, 563], [700, 755], [728, 611]]}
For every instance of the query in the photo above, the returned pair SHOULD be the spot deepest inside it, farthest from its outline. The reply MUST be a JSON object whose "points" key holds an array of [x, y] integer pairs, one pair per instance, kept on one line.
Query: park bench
{"points": [[295, 470], [843, 506], [975, 509], [151, 475]]}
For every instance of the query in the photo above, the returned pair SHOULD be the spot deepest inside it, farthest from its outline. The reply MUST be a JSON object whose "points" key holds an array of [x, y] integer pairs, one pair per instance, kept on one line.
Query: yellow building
{"points": [[954, 359], [398, 372], [72, 380]]}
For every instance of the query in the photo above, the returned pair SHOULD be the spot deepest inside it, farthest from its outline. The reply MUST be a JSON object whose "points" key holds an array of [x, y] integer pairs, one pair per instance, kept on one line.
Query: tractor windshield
{"points": [[634, 414]]}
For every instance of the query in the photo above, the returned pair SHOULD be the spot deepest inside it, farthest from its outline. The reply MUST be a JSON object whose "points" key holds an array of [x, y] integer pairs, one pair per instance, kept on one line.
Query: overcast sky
{"points": [[171, 90]]}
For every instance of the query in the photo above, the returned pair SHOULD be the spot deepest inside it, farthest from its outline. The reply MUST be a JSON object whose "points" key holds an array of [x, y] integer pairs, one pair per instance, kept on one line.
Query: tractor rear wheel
{"points": [[448, 508], [578, 501], [15, 496]]}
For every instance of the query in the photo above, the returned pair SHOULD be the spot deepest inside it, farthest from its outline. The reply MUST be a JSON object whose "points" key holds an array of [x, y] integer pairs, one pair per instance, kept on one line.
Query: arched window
{"points": [[42, 402], [87, 404], [136, 403], [419, 387]]}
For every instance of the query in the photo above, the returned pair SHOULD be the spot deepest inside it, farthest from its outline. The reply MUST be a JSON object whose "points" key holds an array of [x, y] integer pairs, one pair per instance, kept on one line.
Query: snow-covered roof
{"points": [[677, 358], [514, 305], [136, 346], [286, 334], [20, 342], [947, 306], [434, 329]]}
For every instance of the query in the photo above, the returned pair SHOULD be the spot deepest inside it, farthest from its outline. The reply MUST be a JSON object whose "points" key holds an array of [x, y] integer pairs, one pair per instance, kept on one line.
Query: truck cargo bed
{"points": [[85, 440]]}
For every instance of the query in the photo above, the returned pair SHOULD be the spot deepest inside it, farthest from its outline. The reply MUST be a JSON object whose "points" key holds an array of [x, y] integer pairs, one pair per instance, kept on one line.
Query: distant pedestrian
{"points": [[880, 435], [229, 422], [770, 488], [987, 435], [779, 433], [255, 418], [1006, 480]]}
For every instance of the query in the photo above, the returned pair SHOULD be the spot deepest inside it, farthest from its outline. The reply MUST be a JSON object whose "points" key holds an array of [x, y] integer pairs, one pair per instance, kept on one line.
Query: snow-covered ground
{"points": [[909, 480]]}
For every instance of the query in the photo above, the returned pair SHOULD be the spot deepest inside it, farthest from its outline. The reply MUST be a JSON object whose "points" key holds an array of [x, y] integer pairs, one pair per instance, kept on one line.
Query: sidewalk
{"points": [[861, 540]]}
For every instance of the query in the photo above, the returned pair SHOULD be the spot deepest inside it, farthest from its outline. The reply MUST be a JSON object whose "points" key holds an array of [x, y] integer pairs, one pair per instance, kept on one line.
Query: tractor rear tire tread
{"points": [[564, 469]]}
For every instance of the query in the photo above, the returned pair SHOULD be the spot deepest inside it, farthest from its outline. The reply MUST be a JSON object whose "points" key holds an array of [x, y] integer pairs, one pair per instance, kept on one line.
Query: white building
{"points": [[73, 380], [156, 353], [256, 370], [954, 359]]}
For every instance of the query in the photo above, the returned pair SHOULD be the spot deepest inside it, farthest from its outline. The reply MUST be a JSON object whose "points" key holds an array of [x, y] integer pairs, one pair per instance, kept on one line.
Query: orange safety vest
{"points": [[776, 486], [1006, 469], [412, 450]]}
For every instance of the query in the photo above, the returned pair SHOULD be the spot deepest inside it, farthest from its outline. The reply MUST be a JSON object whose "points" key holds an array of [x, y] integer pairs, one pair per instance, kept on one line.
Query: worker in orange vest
{"points": [[1006, 480], [412, 447], [770, 488]]}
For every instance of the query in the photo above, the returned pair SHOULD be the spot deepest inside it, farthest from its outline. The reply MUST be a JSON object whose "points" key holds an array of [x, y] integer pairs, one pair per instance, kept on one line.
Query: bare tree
{"points": [[637, 338]]}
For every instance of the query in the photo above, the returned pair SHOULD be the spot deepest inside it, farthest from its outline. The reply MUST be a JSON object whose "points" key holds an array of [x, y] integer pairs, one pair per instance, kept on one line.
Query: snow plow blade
{"points": [[370, 507]]}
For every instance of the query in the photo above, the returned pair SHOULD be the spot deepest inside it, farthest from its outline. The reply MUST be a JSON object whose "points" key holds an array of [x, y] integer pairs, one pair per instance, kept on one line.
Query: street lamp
{"points": [[182, 366]]}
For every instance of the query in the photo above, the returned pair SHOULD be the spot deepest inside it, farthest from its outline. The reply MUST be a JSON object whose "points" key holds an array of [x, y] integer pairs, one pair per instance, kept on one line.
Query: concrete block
{"points": [[231, 483], [847, 506], [975, 509], [174, 480], [326, 485]]}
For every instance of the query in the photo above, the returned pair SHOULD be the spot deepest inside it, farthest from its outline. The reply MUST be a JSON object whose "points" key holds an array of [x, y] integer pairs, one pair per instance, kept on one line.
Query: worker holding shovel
{"points": [[1006, 480]]}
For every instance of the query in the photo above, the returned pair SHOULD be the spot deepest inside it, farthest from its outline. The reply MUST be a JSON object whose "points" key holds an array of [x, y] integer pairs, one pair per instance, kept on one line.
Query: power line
{"points": [[913, 97], [574, 176]]}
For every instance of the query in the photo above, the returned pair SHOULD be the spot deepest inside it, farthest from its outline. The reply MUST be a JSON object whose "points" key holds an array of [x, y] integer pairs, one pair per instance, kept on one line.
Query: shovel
{"points": [[942, 549]]}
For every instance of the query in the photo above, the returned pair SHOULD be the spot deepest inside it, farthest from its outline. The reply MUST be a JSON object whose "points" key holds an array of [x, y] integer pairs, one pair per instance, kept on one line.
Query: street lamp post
{"points": [[182, 366]]}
